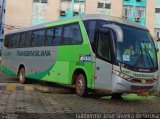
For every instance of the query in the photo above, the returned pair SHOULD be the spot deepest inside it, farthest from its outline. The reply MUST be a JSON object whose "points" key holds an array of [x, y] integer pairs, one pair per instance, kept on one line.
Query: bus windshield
{"points": [[137, 49]]}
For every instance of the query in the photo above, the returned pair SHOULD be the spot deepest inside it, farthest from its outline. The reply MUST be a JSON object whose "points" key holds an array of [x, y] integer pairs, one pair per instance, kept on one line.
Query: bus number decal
{"points": [[85, 58]]}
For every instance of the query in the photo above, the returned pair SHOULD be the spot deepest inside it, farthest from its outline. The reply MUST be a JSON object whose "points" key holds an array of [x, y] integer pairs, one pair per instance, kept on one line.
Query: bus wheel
{"points": [[117, 96], [81, 85], [21, 76]]}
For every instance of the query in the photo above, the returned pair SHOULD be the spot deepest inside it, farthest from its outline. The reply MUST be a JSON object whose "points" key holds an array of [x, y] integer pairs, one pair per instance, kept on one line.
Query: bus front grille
{"points": [[141, 87], [146, 81]]}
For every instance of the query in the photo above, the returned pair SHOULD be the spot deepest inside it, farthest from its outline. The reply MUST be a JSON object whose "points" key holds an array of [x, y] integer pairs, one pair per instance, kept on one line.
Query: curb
{"points": [[16, 87], [25, 87], [31, 87]]}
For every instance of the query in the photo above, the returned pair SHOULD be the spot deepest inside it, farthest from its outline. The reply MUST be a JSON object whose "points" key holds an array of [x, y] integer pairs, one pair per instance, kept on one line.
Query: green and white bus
{"points": [[86, 52]]}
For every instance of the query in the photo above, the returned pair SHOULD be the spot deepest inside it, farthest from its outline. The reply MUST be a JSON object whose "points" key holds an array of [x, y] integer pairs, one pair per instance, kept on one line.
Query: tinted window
{"points": [[90, 28], [104, 50], [157, 10], [66, 35], [25, 39], [137, 49], [7, 40], [75, 34], [53, 37], [72, 34], [15, 40], [38, 38]]}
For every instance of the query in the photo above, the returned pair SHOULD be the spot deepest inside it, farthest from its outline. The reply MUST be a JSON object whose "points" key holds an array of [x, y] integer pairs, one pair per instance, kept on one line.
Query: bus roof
{"points": [[112, 18], [84, 17]]}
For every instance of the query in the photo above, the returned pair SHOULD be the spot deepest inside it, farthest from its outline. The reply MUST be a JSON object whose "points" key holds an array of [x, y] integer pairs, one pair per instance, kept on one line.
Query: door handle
{"points": [[98, 68]]}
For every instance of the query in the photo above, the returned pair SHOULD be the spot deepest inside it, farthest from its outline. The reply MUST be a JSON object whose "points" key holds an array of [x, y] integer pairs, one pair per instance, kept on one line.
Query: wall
{"points": [[53, 10], [91, 6], [134, 8], [157, 19], [18, 14], [117, 7], [150, 15]]}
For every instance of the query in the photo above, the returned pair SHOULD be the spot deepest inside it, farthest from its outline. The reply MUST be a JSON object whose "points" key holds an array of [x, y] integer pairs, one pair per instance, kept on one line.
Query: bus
{"points": [[158, 46], [1, 44], [86, 52], [158, 53]]}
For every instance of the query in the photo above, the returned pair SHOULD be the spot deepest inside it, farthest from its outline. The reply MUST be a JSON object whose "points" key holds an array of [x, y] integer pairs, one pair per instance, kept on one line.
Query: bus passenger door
{"points": [[103, 68]]}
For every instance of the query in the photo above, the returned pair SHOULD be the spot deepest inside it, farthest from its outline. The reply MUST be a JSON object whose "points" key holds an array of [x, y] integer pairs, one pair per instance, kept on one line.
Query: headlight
{"points": [[124, 76], [156, 76]]}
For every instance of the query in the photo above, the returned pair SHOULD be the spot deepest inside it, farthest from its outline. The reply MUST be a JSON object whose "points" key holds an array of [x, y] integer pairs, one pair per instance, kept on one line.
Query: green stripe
{"points": [[8, 71]]}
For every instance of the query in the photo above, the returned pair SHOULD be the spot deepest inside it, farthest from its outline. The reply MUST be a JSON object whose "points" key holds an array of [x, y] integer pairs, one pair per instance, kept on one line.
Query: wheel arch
{"points": [[75, 74], [20, 66]]}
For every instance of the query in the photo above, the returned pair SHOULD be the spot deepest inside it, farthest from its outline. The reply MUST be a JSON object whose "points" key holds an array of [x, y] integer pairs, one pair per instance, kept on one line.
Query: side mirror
{"points": [[117, 29]]}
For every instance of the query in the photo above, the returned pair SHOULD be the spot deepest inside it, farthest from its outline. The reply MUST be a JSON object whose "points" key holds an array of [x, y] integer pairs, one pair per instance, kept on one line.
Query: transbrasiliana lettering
{"points": [[34, 53]]}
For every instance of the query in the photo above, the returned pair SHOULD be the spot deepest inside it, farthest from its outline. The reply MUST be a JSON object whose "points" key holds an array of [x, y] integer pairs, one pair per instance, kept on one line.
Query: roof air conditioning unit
{"points": [[76, 13], [62, 13], [125, 17], [137, 19]]}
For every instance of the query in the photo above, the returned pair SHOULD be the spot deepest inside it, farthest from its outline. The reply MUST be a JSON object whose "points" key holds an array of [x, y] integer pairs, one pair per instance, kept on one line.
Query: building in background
{"points": [[106, 7], [70, 8], [39, 11], [2, 15], [140, 11], [157, 19], [24, 13], [135, 10]]}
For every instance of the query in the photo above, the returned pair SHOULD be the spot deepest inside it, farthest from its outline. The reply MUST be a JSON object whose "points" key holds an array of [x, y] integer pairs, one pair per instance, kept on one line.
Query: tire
{"points": [[21, 76], [81, 85], [117, 96]]}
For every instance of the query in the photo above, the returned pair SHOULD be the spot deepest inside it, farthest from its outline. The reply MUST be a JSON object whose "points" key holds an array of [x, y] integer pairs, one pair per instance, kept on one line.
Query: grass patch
{"points": [[133, 97]]}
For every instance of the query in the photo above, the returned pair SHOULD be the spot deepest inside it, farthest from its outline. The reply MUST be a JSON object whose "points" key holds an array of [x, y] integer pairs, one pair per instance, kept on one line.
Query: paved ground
{"points": [[62, 102], [7, 78]]}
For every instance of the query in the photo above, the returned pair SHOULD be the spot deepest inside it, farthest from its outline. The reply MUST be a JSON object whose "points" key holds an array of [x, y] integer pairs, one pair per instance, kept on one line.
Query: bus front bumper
{"points": [[120, 85]]}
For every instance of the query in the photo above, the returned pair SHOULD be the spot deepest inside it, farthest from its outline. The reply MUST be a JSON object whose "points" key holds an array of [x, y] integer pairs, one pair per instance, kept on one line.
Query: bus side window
{"points": [[75, 34], [53, 36], [11, 41], [15, 40], [57, 36], [38, 38], [7, 40], [72, 35], [90, 28], [25, 39], [49, 37], [104, 49], [66, 35]]}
